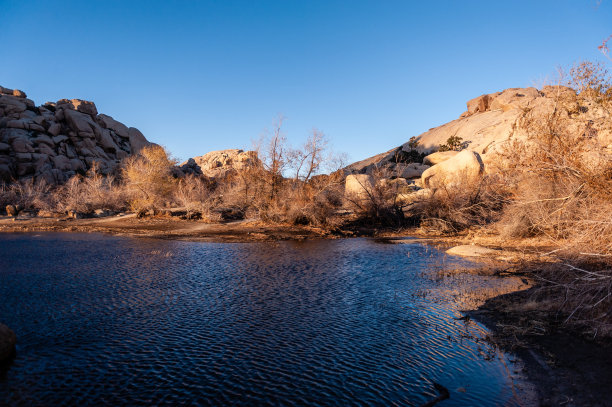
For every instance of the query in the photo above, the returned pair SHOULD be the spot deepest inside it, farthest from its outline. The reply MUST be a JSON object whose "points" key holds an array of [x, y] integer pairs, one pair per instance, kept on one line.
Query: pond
{"points": [[105, 320]]}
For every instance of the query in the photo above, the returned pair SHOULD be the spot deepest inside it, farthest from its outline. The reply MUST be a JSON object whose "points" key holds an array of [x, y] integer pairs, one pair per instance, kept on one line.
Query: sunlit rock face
{"points": [[463, 168], [490, 121], [55, 141], [219, 164]]}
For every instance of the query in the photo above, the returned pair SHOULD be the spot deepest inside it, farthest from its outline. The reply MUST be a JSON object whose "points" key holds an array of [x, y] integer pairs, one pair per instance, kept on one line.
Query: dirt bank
{"points": [[166, 228]]}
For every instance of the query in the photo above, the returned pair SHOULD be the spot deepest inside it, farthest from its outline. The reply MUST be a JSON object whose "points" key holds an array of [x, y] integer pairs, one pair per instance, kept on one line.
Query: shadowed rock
{"points": [[55, 141], [7, 343]]}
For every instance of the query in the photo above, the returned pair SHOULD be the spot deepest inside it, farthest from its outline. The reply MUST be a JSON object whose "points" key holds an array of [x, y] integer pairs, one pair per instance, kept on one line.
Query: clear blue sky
{"points": [[197, 76]]}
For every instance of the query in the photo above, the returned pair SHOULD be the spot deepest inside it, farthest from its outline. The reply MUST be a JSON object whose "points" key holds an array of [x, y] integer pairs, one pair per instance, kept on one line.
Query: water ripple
{"points": [[114, 321]]}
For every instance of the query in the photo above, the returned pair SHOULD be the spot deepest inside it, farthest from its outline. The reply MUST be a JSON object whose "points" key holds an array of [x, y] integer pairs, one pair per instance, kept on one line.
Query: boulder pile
{"points": [[57, 140], [219, 164], [483, 131]]}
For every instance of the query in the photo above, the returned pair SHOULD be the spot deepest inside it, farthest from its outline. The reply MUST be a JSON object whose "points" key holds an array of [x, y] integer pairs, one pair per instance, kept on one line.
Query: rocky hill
{"points": [[57, 140], [489, 122]]}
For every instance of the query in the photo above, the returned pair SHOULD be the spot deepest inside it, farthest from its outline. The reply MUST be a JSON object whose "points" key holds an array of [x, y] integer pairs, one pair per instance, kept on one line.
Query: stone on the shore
{"points": [[8, 340], [468, 250], [12, 210]]}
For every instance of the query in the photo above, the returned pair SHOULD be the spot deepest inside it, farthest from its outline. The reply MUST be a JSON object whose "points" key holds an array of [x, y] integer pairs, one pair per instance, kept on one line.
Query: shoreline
{"points": [[167, 228], [565, 367], [574, 378]]}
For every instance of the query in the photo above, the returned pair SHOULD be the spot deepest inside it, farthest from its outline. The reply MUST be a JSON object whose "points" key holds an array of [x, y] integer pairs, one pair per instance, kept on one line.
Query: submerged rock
{"points": [[7, 343]]}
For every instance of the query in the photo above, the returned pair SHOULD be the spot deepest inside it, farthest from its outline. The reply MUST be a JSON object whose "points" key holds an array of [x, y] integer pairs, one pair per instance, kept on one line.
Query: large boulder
{"points": [[359, 187], [109, 123], [8, 340], [409, 171], [79, 105], [438, 157], [479, 104], [465, 167], [137, 140]]}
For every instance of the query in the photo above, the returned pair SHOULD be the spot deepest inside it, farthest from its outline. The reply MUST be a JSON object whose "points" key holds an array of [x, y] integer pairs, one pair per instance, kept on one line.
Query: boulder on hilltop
{"points": [[55, 141]]}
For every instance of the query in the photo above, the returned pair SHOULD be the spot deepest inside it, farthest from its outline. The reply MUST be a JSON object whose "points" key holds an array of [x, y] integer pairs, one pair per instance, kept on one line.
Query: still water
{"points": [[106, 320]]}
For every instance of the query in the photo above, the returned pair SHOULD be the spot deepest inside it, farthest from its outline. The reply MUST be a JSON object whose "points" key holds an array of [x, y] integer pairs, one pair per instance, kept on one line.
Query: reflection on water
{"points": [[108, 320]]}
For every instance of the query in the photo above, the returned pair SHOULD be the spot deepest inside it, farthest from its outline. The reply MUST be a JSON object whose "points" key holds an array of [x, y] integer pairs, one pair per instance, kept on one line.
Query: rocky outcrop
{"points": [[7, 343], [57, 140], [489, 122], [219, 164], [396, 163]]}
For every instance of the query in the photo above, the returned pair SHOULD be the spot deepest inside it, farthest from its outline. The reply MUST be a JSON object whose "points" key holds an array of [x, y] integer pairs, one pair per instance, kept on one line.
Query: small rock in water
{"points": [[472, 251]]}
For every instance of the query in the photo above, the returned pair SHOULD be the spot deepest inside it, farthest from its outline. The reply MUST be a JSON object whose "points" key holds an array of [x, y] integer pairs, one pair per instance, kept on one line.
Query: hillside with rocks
{"points": [[490, 122], [55, 141]]}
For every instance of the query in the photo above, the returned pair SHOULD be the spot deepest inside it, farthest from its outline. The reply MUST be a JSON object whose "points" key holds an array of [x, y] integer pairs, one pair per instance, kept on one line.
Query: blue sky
{"points": [[197, 76]]}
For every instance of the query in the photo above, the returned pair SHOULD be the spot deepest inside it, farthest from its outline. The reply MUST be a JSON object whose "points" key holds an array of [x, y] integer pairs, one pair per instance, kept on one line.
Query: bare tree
{"points": [[311, 156]]}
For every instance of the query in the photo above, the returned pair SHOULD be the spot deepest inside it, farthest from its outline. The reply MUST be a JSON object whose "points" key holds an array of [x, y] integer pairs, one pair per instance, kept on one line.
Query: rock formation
{"points": [[55, 141], [489, 122], [219, 164]]}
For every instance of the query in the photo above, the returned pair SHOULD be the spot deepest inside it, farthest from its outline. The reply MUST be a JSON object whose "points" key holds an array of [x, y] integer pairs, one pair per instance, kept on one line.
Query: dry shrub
{"points": [[313, 202], [579, 291], [148, 178], [94, 191], [562, 172], [467, 203], [28, 194], [194, 193], [378, 200], [285, 186]]}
